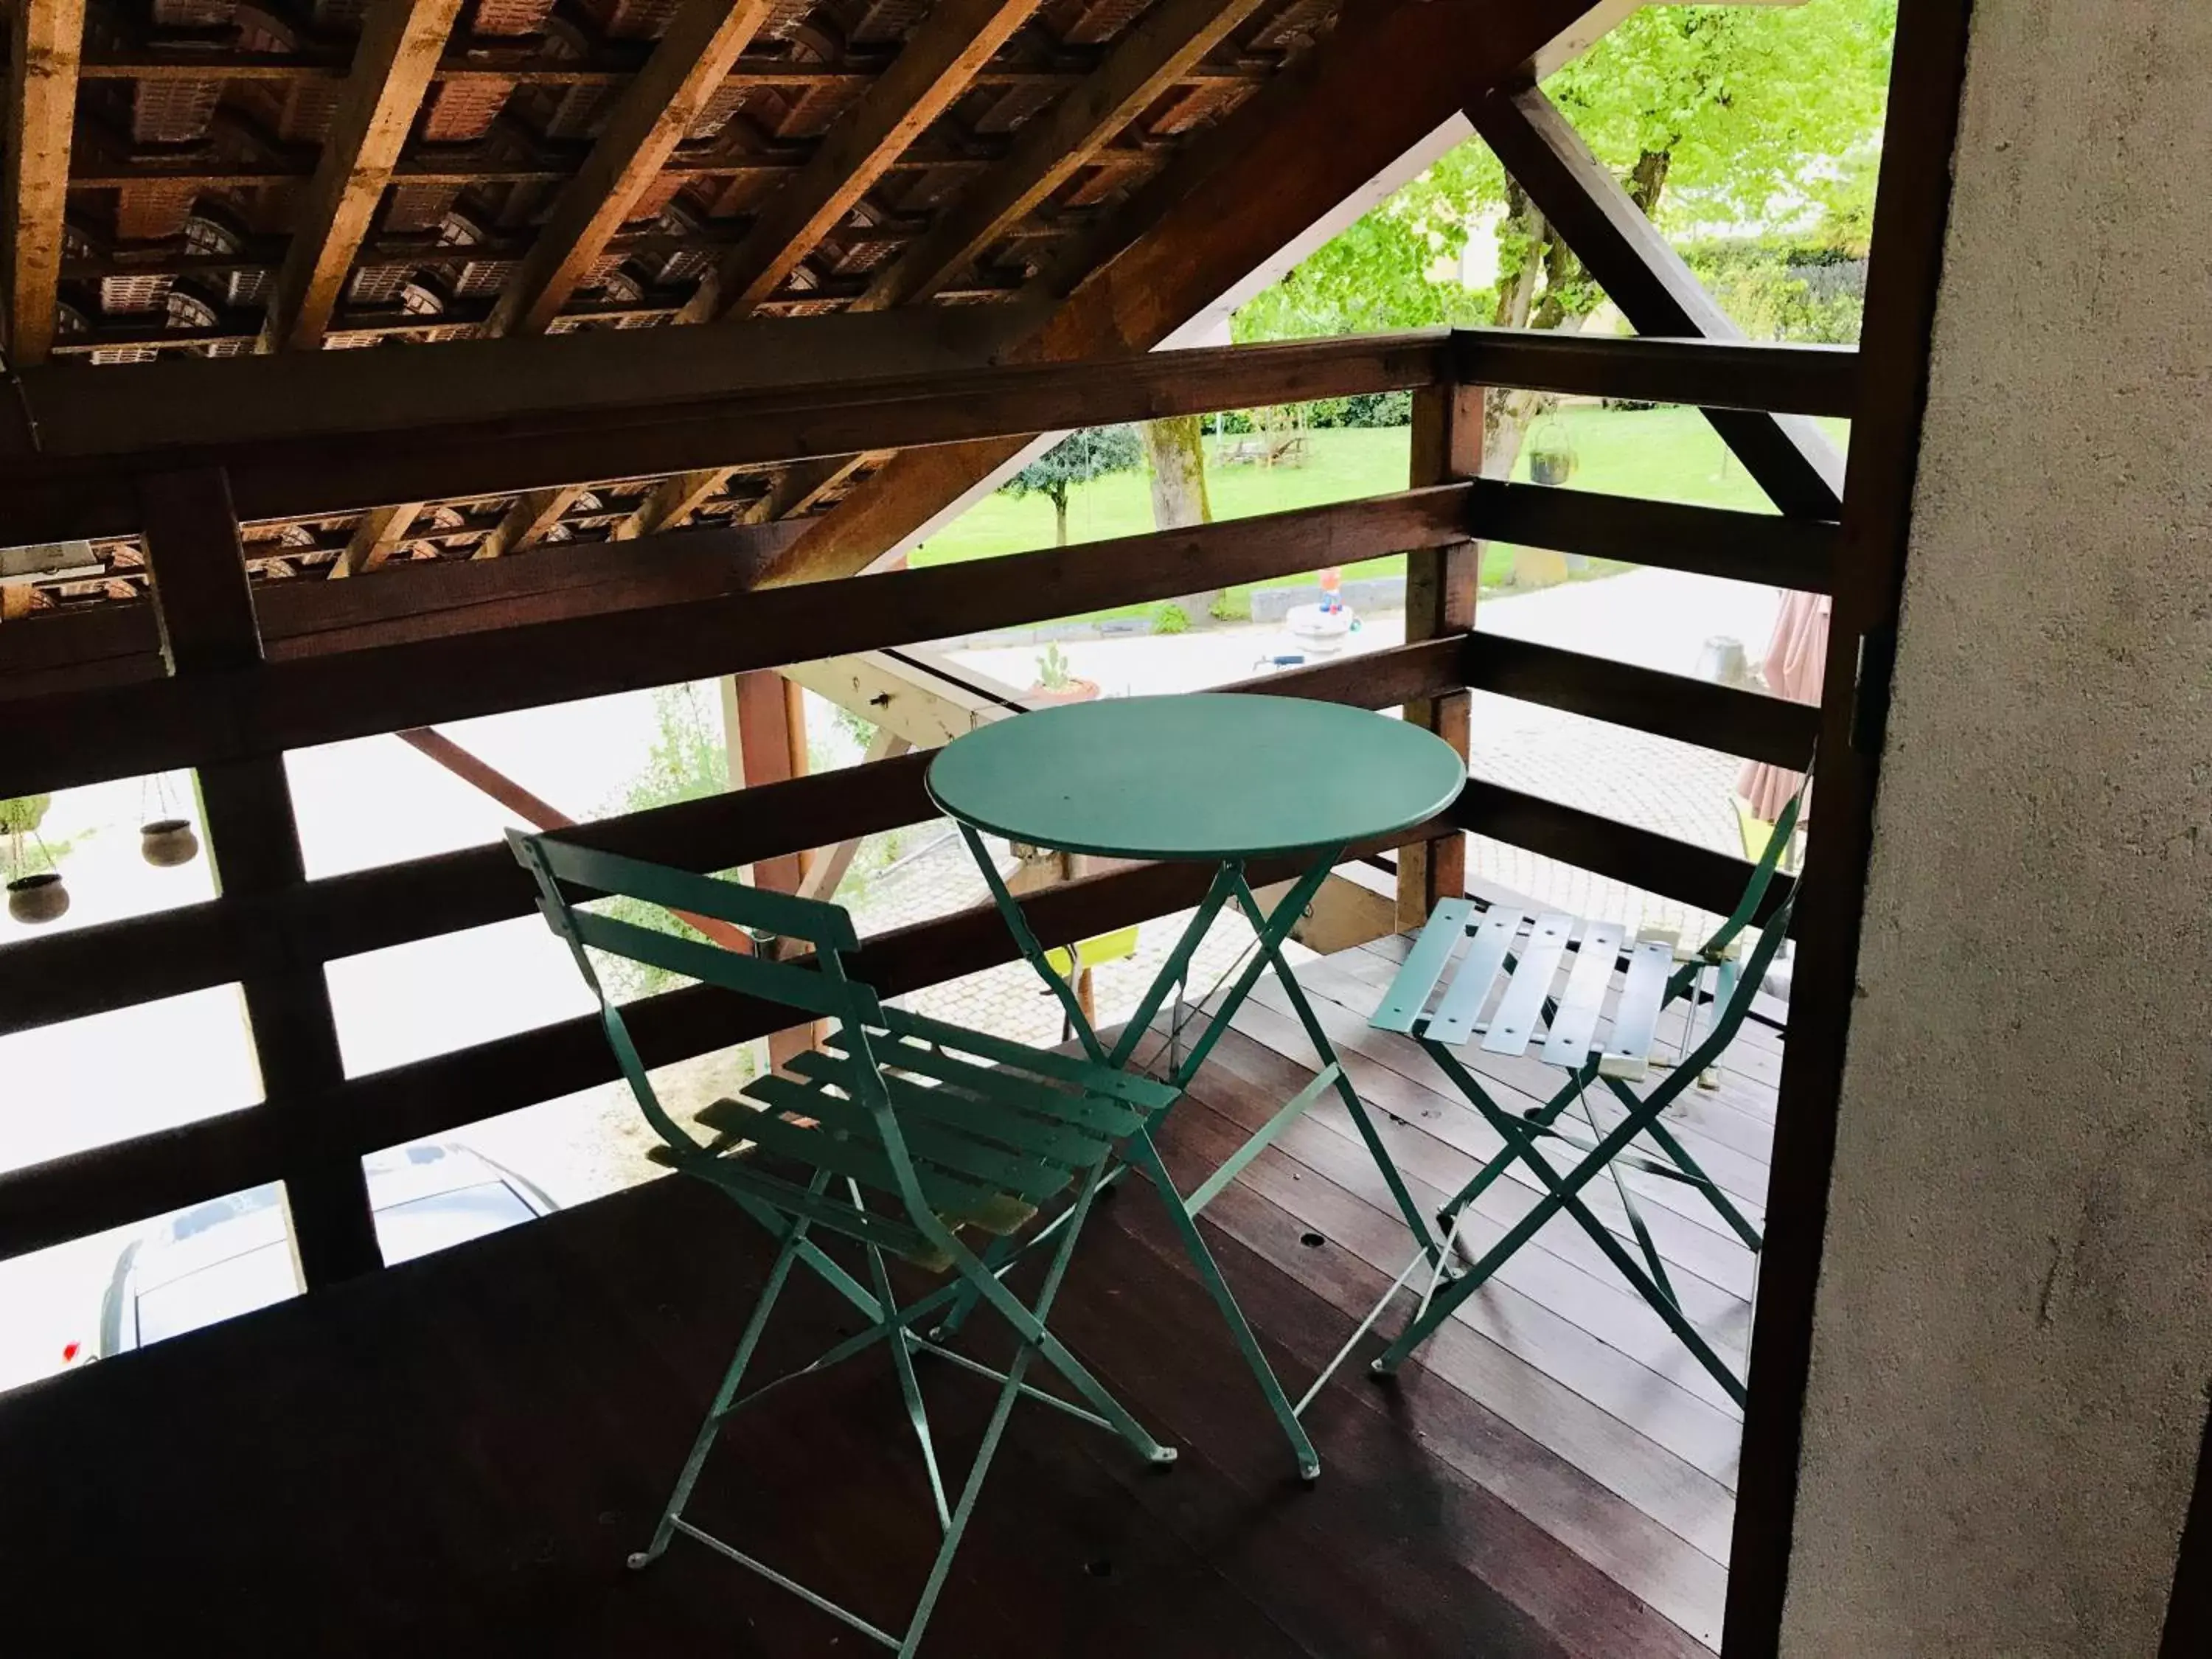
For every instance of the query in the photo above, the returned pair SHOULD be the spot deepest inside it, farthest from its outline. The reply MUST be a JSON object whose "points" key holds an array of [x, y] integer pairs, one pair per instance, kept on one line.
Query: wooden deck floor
{"points": [[457, 1455]]}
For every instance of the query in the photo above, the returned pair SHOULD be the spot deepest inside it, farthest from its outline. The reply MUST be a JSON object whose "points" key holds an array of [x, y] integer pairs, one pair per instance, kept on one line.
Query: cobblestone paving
{"points": [[941, 877]]}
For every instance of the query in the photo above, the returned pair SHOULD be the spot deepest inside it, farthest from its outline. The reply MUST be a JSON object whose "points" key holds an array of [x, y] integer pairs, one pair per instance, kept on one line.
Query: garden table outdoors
{"points": [[1218, 779]]}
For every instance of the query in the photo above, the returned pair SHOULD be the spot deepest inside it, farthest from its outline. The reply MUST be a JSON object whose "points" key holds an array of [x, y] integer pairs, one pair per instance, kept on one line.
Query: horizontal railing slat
{"points": [[115, 964], [204, 718], [1640, 857], [1706, 541], [1667, 705], [1783, 379], [340, 470]]}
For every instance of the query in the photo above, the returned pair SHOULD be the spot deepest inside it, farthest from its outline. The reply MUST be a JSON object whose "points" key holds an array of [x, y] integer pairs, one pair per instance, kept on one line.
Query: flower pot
{"points": [[1076, 690], [35, 900], [167, 842], [1550, 468]]}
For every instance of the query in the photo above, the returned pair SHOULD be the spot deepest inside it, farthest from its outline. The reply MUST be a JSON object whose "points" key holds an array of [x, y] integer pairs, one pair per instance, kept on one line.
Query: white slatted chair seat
{"points": [[1489, 974]]}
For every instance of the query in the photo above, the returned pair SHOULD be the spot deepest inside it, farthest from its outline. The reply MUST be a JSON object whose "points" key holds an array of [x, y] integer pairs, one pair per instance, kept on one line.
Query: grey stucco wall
{"points": [[2013, 1334]]}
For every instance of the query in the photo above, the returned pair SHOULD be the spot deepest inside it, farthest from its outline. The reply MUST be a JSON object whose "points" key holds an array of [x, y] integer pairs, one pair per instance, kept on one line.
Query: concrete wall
{"points": [[2014, 1328]]}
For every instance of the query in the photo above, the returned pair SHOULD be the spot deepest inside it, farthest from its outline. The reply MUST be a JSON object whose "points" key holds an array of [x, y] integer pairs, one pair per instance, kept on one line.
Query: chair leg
{"points": [[901, 1341], [1148, 1159], [711, 1428]]}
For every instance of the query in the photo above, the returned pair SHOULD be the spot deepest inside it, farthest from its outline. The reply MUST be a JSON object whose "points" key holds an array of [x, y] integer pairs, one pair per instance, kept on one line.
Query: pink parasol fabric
{"points": [[1795, 656]]}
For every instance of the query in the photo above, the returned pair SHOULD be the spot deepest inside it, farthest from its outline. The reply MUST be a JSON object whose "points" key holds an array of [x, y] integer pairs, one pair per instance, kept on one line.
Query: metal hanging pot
{"points": [[165, 843], [36, 900]]}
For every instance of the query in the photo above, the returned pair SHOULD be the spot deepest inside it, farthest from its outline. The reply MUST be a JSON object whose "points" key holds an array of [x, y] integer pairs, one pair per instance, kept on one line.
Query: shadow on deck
{"points": [[457, 1455]]}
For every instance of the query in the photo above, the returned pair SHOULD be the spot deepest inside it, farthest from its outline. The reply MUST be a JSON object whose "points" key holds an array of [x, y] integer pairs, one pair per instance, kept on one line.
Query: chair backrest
{"points": [[1762, 872], [561, 867], [1729, 1018]]}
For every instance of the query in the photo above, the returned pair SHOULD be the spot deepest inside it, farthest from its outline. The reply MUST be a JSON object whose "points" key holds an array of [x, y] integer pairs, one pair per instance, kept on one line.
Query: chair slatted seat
{"points": [[896, 1136], [1508, 960]]}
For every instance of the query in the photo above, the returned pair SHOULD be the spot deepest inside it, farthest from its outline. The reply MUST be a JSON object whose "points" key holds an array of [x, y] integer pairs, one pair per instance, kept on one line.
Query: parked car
{"points": [[231, 1255]]}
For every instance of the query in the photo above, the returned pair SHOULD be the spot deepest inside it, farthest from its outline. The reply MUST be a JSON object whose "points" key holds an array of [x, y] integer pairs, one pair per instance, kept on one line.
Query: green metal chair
{"points": [[1440, 1003], [899, 1135]]}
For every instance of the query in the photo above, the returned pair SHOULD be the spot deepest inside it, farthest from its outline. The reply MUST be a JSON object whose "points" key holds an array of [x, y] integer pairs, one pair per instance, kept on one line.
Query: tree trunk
{"points": [[1175, 448], [1059, 515]]}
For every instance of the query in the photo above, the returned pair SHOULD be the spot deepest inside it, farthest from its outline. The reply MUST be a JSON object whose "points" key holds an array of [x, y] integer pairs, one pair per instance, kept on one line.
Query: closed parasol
{"points": [[1795, 656]]}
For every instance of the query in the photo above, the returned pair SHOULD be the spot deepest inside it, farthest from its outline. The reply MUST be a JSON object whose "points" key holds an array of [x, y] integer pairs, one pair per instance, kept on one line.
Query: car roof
{"points": [[216, 1231]]}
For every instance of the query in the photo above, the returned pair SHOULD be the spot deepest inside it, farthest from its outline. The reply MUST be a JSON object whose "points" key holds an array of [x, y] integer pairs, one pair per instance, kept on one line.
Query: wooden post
{"points": [[205, 610], [764, 725], [1441, 584]]}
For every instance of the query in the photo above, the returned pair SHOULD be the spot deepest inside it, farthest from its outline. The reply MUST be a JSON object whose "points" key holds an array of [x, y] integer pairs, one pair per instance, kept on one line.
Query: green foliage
{"points": [[1078, 459], [1052, 669], [1767, 117], [20, 816], [1170, 619], [687, 760], [1231, 606], [1778, 291]]}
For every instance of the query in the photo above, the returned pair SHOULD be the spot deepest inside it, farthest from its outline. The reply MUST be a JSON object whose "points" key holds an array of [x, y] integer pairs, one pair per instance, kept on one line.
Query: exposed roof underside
{"points": [[211, 179], [599, 164]]}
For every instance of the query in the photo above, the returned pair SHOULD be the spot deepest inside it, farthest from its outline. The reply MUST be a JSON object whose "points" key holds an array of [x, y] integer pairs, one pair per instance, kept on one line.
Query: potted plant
{"points": [[1056, 684], [34, 896]]}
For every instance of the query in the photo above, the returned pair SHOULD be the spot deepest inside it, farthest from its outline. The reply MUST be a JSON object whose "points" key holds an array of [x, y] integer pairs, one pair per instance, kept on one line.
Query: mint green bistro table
{"points": [[1219, 779]]}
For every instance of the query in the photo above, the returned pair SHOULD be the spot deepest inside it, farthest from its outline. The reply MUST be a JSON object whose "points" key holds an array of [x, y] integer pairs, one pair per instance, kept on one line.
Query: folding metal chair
{"points": [[898, 1135], [1509, 966]]}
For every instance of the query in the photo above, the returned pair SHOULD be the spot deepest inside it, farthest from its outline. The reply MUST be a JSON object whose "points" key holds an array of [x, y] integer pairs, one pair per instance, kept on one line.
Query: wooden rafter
{"points": [[1790, 456], [655, 112], [937, 65], [1160, 49], [1390, 76], [400, 40], [47, 43], [529, 520], [381, 532]]}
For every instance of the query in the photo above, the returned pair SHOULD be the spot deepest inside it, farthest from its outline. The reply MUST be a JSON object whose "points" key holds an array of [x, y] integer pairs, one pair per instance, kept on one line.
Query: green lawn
{"points": [[1666, 454]]}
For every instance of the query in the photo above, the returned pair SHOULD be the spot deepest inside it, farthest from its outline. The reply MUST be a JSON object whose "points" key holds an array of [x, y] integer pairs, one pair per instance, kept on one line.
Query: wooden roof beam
{"points": [[654, 112], [938, 63], [380, 532], [47, 43], [1163, 48], [529, 521], [1790, 456], [1392, 74], [400, 41]]}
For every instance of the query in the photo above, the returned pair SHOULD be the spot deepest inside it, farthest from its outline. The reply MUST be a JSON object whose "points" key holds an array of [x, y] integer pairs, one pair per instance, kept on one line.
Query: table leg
{"points": [[1018, 925], [1272, 930]]}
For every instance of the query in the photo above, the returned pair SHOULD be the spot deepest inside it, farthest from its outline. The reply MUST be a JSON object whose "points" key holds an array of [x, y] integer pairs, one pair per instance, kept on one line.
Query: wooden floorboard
{"points": [[458, 1455]]}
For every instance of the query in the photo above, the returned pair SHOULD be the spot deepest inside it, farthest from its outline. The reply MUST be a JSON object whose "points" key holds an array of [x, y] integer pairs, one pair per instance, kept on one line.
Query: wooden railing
{"points": [[212, 678]]}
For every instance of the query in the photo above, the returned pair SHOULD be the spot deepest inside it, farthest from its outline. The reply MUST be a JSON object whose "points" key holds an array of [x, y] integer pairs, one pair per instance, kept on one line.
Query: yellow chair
{"points": [[1076, 965]]}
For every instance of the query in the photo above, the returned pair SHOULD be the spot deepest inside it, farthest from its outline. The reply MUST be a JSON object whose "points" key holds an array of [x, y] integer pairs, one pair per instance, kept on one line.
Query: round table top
{"points": [[1215, 776]]}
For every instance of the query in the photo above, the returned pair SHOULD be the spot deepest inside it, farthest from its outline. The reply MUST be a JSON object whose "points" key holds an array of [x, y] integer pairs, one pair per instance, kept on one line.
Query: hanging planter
{"points": [[37, 900], [1552, 457], [165, 841], [35, 897]]}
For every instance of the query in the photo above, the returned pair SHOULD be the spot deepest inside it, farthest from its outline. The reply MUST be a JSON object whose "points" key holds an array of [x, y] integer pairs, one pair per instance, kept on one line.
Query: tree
{"points": [[1176, 451], [1078, 459], [1717, 119]]}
